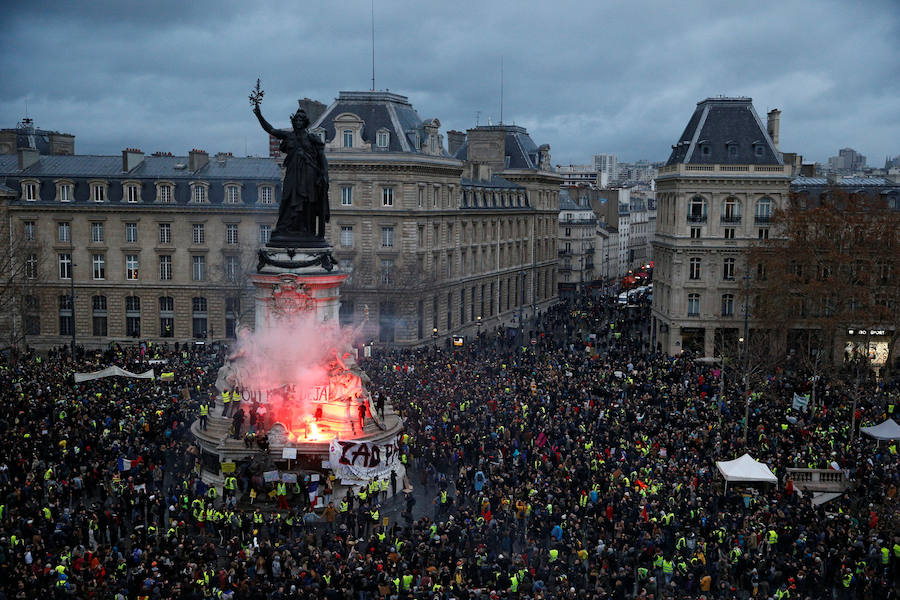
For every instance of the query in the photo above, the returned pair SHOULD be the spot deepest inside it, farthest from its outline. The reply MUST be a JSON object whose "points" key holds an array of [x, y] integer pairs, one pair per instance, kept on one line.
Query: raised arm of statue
{"points": [[266, 125]]}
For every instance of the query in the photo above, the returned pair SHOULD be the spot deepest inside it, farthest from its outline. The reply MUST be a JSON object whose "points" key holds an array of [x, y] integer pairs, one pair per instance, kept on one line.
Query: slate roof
{"points": [[844, 181], [495, 182], [521, 151], [81, 168], [378, 110], [567, 202], [718, 123], [152, 167]]}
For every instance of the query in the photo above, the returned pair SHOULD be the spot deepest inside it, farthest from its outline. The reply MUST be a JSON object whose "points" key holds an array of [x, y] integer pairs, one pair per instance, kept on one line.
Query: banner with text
{"points": [[352, 459]]}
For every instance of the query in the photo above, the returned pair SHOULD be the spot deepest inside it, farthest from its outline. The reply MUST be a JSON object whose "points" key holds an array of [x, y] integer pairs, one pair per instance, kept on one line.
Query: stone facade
{"points": [[577, 241], [161, 255], [712, 203], [436, 245]]}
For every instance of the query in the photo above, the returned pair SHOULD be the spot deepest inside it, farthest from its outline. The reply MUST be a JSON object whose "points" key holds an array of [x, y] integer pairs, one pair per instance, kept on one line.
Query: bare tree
{"points": [[21, 268], [829, 269], [232, 279]]}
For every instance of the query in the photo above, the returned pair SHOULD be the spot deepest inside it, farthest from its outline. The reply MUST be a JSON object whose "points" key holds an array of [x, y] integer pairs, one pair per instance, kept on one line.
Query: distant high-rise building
{"points": [[848, 160], [607, 163]]}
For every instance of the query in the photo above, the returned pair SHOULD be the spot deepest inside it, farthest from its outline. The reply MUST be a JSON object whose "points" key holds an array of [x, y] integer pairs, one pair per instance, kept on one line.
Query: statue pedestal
{"points": [[296, 280]]}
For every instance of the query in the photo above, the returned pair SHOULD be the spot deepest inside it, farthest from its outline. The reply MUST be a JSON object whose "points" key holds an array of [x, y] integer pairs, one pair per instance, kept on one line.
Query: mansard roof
{"points": [[520, 150], [379, 111], [152, 167], [567, 202], [718, 123]]}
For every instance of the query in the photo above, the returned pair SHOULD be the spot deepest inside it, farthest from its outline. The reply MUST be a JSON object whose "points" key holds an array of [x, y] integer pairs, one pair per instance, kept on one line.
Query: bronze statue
{"points": [[304, 206]]}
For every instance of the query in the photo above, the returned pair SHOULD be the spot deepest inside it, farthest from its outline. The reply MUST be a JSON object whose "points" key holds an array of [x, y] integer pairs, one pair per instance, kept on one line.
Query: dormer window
{"points": [[265, 194], [705, 150], [347, 138], [132, 193], [64, 191], [732, 150], [383, 138], [164, 192], [30, 191], [232, 194], [198, 193], [98, 191], [758, 149]]}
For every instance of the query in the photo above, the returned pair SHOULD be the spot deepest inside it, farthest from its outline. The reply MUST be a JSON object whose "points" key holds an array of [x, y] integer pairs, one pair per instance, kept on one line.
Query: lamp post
{"points": [[434, 338], [72, 302], [522, 309], [478, 325], [744, 342]]}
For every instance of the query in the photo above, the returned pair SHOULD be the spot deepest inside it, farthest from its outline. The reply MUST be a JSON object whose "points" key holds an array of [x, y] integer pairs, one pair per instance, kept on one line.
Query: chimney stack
{"points": [[131, 158], [455, 141], [28, 157], [773, 124], [197, 159]]}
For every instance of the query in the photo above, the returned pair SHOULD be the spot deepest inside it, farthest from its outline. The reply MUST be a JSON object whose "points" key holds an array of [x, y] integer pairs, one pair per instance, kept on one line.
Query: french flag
{"points": [[125, 464]]}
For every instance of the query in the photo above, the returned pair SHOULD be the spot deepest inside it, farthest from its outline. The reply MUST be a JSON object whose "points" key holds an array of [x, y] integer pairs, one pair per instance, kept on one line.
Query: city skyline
{"points": [[584, 77]]}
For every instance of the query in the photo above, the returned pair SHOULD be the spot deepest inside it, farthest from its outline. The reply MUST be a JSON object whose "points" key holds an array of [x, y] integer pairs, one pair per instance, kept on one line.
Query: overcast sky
{"points": [[586, 77]]}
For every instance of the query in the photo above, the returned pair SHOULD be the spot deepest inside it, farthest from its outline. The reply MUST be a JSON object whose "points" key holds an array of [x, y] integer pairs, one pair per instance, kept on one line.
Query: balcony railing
{"points": [[696, 218], [763, 219], [588, 221], [565, 269], [731, 219], [565, 253], [683, 169]]}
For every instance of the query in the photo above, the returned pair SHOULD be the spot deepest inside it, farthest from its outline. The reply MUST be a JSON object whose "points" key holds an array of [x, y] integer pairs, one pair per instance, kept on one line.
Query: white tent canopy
{"points": [[746, 469], [889, 430]]}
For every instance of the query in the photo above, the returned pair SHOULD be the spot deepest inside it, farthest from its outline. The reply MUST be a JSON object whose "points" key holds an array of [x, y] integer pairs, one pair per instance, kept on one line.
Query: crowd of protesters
{"points": [[578, 466]]}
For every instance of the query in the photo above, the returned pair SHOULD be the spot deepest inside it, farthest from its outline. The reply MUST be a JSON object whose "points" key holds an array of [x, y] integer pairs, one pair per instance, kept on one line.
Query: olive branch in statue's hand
{"points": [[256, 95]]}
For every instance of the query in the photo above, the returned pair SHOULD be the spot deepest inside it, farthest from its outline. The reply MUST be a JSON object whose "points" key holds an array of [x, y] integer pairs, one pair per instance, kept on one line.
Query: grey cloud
{"points": [[585, 77]]}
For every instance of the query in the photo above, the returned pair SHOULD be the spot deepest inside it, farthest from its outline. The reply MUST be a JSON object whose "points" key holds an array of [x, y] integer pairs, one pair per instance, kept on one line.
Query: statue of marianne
{"points": [[304, 206]]}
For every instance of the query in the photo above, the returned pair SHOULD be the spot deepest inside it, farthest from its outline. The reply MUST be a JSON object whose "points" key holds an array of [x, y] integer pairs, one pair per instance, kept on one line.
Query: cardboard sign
{"points": [[271, 476], [289, 453], [228, 467]]}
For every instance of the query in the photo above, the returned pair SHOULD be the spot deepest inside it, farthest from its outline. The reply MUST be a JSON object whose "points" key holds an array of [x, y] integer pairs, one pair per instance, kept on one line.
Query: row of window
{"points": [[693, 308], [469, 199], [731, 210], [728, 233], [132, 192], [198, 232], [99, 316], [382, 138], [732, 149], [231, 266], [695, 270]]}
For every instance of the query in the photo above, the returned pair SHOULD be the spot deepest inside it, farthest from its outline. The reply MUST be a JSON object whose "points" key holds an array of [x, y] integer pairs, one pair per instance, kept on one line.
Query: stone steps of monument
{"points": [[218, 430]]}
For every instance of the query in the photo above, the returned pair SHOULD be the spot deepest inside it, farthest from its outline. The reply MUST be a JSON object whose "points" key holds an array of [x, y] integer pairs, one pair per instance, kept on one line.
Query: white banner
{"points": [[111, 372], [352, 459], [800, 402]]}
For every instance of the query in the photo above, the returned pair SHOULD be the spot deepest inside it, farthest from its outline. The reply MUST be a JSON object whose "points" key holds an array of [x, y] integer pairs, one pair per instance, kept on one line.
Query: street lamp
{"points": [[72, 301], [478, 324], [434, 337]]}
